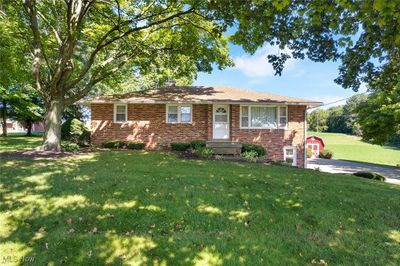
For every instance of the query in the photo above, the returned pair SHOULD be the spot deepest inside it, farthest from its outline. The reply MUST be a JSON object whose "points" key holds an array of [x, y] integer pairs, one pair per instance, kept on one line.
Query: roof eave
{"points": [[127, 101]]}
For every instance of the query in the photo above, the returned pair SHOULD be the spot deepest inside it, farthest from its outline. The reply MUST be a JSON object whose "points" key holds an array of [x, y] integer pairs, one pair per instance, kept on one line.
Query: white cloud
{"points": [[257, 65]]}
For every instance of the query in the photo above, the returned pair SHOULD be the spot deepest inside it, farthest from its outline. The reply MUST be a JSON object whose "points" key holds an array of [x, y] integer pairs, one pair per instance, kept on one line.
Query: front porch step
{"points": [[223, 147]]}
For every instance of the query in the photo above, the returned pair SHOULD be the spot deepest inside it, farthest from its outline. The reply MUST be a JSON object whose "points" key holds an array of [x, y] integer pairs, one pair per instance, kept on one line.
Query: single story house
{"points": [[15, 126], [315, 144], [169, 114]]}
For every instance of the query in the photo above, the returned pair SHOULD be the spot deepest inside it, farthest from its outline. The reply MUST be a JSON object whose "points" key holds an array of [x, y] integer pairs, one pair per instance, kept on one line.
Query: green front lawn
{"points": [[348, 147], [141, 208], [19, 141]]}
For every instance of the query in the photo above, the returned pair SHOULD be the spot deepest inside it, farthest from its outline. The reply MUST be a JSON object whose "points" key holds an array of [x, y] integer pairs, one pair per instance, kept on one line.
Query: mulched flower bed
{"points": [[190, 156]]}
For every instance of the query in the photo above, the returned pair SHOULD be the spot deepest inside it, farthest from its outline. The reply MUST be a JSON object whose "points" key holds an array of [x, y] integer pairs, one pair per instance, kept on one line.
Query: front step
{"points": [[225, 147]]}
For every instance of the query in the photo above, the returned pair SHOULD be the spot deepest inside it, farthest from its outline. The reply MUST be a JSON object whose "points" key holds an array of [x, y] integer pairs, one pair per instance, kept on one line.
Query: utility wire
{"points": [[325, 104]]}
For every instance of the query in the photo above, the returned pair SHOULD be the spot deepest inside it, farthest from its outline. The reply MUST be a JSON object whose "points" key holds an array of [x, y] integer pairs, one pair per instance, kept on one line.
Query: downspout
{"points": [[305, 139]]}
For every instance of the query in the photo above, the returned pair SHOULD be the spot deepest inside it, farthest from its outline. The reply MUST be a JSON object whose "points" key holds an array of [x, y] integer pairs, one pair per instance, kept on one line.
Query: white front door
{"points": [[221, 121]]}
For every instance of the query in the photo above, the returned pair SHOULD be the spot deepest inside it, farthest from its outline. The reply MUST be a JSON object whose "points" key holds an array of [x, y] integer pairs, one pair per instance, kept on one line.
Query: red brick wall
{"points": [[273, 139], [146, 123]]}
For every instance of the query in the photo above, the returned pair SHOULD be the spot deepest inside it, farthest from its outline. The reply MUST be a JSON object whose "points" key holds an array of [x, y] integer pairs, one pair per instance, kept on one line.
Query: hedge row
{"points": [[111, 144], [326, 154], [181, 146], [260, 150], [176, 146], [370, 175], [184, 146]]}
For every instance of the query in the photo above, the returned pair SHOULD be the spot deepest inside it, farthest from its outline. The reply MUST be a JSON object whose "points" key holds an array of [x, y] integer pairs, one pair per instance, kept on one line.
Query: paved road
{"points": [[340, 166]]}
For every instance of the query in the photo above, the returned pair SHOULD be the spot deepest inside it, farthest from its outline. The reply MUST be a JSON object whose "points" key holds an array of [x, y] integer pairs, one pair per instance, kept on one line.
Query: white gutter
{"points": [[305, 138], [88, 103]]}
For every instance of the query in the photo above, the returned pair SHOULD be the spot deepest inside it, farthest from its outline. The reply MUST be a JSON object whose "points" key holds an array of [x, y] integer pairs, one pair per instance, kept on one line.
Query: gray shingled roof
{"points": [[200, 94]]}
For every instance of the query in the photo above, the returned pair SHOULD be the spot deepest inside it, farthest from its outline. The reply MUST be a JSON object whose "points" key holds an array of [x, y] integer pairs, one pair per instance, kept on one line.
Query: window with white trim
{"points": [[263, 116], [179, 113], [244, 116], [120, 113], [282, 112], [289, 155]]}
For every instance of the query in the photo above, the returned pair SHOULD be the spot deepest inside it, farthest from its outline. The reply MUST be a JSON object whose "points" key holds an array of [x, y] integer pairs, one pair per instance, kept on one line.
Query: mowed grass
{"points": [[151, 208], [18, 141], [348, 147]]}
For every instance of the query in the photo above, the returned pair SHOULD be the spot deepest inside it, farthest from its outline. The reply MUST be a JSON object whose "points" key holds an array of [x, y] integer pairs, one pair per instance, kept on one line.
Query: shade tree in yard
{"points": [[26, 107], [14, 72], [78, 44]]}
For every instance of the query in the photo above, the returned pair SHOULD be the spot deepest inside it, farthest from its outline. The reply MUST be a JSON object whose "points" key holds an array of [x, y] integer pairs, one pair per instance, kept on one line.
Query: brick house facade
{"points": [[147, 122]]}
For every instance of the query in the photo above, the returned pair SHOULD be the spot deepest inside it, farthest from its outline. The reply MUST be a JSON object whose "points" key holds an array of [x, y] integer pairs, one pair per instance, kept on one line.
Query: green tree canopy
{"points": [[336, 120], [350, 113], [76, 45], [21, 104], [342, 119], [363, 35], [316, 120], [14, 70], [379, 116], [26, 107]]}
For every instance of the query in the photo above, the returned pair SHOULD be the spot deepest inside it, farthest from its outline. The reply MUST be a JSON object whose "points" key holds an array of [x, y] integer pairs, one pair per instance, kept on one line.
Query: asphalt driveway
{"points": [[341, 166]]}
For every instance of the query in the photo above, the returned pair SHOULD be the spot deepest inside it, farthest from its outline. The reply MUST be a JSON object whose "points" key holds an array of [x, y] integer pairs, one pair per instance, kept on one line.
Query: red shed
{"points": [[315, 144]]}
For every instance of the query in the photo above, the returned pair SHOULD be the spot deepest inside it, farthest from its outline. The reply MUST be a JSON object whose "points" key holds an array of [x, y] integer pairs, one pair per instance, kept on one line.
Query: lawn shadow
{"points": [[152, 208]]}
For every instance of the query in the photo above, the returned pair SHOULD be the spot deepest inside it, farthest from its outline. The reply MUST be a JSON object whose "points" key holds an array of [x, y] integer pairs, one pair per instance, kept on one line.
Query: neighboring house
{"points": [[15, 126], [315, 144], [183, 113], [38, 126]]}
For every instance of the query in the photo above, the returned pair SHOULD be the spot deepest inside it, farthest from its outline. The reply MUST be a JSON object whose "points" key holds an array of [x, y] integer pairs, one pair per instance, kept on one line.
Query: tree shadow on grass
{"points": [[151, 208], [18, 142]]}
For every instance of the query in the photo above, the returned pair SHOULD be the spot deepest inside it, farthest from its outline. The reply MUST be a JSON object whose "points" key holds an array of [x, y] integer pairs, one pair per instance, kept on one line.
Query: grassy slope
{"points": [[152, 208], [349, 147]]}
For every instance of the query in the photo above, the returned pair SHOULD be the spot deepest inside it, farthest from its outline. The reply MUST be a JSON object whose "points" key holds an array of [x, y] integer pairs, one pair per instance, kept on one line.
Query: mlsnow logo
{"points": [[14, 259]]}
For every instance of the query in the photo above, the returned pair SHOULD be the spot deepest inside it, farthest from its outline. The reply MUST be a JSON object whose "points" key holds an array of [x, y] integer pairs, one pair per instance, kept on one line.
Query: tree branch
{"points": [[103, 43], [93, 81], [37, 42], [76, 11], [59, 41]]}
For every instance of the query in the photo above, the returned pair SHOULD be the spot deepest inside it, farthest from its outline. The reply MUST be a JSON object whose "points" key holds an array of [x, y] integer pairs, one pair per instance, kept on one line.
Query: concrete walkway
{"points": [[340, 166]]}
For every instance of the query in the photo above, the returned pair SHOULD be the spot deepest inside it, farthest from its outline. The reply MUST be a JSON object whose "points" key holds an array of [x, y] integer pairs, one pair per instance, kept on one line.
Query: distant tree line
{"points": [[351, 119]]}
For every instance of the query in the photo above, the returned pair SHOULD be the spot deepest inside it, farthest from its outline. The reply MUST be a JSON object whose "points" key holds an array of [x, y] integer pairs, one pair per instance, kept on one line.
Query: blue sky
{"points": [[300, 78]]}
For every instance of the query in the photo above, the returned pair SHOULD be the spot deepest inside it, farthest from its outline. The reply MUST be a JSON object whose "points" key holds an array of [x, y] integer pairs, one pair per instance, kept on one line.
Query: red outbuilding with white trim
{"points": [[315, 144]]}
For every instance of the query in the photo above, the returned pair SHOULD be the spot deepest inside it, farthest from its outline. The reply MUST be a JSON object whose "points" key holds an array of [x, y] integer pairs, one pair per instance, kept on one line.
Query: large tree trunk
{"points": [[29, 127], [52, 131], [4, 117]]}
